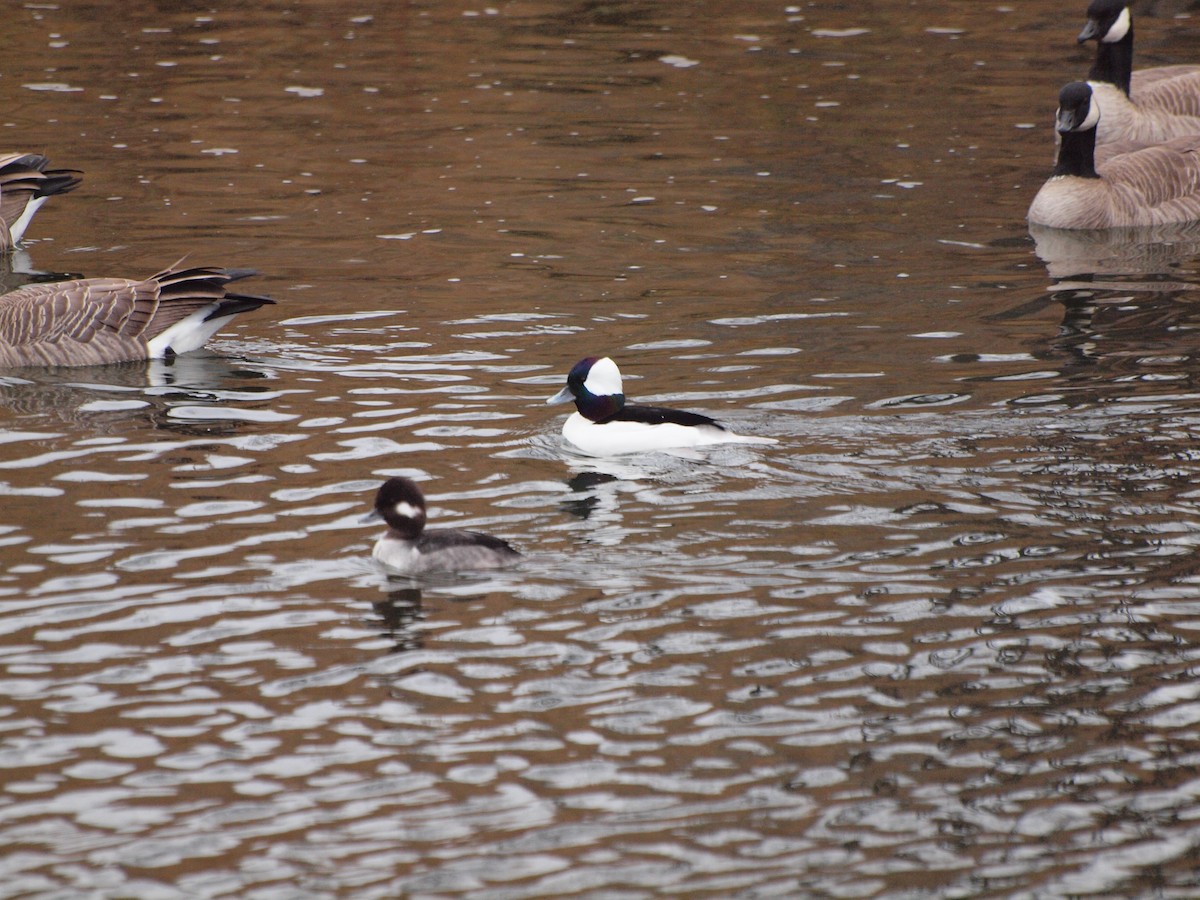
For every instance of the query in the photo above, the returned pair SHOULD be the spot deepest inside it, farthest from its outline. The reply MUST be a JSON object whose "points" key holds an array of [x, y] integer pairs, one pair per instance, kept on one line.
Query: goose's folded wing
{"points": [[177, 293], [1153, 177], [1168, 90], [76, 311]]}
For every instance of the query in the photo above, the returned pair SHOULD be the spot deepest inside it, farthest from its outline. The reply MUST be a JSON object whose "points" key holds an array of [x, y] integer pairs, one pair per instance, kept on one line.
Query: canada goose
{"points": [[24, 186], [93, 321], [1148, 106], [1156, 185]]}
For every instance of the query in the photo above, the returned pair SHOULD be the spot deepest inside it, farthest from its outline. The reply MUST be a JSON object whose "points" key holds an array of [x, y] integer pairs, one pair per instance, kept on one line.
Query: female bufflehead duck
{"points": [[604, 426], [408, 548]]}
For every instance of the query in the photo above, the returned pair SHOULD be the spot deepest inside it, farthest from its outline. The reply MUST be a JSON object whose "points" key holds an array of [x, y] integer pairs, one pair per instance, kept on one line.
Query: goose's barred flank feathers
{"points": [[25, 184], [94, 321]]}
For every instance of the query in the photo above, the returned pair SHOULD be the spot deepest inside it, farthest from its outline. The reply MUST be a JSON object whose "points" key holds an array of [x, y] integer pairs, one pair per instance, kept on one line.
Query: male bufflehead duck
{"points": [[604, 426], [408, 548]]}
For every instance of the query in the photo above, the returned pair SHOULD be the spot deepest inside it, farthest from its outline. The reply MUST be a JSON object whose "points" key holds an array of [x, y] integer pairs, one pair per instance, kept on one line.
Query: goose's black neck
{"points": [[1077, 154], [1114, 62]]}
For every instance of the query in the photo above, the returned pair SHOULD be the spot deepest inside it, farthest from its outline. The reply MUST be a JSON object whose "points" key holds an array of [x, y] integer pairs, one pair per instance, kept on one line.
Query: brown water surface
{"points": [[940, 641]]}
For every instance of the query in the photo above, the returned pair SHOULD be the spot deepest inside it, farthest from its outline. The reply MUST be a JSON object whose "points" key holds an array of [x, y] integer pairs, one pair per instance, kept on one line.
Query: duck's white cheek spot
{"points": [[406, 510]]}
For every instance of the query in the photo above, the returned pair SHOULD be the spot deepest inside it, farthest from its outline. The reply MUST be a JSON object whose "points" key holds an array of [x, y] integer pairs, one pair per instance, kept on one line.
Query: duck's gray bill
{"points": [[561, 397]]}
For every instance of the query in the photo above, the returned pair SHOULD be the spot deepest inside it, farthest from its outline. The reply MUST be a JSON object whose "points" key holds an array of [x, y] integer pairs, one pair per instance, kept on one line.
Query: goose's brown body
{"points": [[1146, 186], [94, 321]]}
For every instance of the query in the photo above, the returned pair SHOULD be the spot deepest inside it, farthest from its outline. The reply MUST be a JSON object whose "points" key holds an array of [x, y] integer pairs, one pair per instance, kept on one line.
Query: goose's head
{"points": [[1076, 111], [1108, 21]]}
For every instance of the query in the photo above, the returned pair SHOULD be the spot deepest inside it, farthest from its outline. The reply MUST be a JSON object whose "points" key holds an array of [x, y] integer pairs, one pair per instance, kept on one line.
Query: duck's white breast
{"points": [[613, 438], [396, 554]]}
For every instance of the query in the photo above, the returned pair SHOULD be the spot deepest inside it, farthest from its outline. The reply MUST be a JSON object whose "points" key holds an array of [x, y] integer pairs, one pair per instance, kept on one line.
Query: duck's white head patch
{"points": [[604, 378]]}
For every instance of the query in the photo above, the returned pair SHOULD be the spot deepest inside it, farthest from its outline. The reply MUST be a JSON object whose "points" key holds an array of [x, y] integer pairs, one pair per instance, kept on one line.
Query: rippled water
{"points": [[939, 641]]}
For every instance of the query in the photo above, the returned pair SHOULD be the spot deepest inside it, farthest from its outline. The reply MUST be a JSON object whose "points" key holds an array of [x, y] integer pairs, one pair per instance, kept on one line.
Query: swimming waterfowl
{"points": [[1156, 185], [25, 184], [407, 547], [603, 425], [94, 321], [1148, 106]]}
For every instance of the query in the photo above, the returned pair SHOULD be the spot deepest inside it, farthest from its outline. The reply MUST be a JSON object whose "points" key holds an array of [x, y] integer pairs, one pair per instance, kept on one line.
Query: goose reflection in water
{"points": [[196, 394], [1126, 330], [17, 270], [1158, 251], [1124, 292]]}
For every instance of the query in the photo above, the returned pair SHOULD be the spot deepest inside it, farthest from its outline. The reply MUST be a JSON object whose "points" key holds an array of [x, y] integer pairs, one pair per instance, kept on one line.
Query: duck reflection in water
{"points": [[598, 485], [584, 485], [401, 616]]}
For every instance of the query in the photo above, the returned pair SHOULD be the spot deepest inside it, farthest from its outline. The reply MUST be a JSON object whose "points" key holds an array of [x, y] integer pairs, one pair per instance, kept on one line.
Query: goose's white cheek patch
{"points": [[1119, 28]]}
